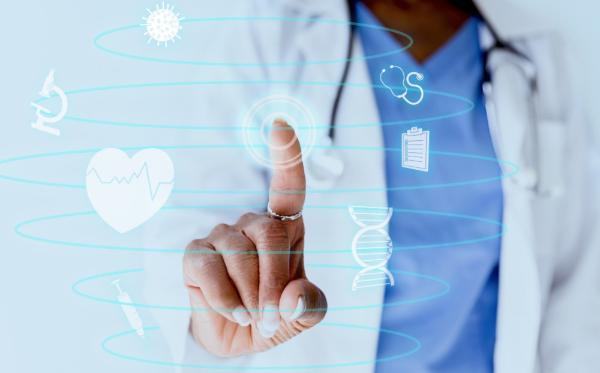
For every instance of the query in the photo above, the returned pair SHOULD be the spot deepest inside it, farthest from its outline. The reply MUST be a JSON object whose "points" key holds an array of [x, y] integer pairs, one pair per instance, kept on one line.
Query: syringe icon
{"points": [[130, 312]]}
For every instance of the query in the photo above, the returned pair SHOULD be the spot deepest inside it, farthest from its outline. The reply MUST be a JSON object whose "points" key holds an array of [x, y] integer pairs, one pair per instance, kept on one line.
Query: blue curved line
{"points": [[98, 38], [417, 347], [19, 231], [444, 289], [233, 127], [514, 170]]}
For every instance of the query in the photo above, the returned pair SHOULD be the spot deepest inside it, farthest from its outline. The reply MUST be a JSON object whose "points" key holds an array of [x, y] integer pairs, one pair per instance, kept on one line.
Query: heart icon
{"points": [[127, 192]]}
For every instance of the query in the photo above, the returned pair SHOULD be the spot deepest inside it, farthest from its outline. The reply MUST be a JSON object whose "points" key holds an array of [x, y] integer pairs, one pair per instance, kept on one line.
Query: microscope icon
{"points": [[48, 89]]}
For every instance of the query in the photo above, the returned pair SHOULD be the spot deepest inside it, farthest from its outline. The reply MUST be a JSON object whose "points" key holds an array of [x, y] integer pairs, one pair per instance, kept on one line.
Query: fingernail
{"points": [[300, 308], [270, 321], [241, 316]]}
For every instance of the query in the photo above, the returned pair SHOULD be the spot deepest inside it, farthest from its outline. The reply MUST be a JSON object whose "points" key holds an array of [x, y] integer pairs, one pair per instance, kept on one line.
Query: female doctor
{"points": [[268, 289]]}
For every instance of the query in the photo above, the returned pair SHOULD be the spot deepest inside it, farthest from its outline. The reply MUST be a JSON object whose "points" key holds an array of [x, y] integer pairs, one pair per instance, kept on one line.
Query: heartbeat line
{"points": [[145, 170]]}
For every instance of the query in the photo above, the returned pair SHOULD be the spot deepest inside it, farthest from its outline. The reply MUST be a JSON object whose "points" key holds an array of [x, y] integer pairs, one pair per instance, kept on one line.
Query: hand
{"points": [[250, 276]]}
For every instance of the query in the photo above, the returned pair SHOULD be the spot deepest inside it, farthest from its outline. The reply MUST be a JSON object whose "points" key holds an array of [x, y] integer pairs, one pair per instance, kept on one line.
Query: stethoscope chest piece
{"points": [[324, 166]]}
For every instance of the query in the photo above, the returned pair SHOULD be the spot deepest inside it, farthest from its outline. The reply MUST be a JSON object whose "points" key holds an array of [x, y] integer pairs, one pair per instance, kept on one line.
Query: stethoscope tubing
{"points": [[520, 60]]}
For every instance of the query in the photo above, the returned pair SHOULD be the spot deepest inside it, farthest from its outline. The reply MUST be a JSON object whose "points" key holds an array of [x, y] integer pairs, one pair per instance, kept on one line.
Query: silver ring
{"points": [[273, 215]]}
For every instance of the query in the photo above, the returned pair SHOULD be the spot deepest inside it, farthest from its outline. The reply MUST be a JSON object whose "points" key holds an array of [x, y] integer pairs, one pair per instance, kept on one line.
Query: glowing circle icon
{"points": [[162, 24], [257, 125]]}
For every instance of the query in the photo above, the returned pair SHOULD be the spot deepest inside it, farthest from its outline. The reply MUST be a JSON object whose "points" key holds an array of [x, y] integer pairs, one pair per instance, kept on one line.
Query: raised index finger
{"points": [[288, 183]]}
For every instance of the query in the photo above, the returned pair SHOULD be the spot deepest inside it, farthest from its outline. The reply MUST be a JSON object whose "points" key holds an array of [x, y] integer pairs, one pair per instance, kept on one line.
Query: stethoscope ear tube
{"points": [[518, 58], [348, 62], [502, 61], [324, 167]]}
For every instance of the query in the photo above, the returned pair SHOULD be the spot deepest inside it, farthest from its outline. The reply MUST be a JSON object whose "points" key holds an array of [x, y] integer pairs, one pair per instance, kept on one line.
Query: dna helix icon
{"points": [[372, 246]]}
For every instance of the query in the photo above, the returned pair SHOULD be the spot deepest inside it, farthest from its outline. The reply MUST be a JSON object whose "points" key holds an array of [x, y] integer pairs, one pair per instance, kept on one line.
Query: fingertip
{"points": [[281, 134], [284, 145], [270, 321], [281, 123], [299, 310], [241, 316], [303, 301], [288, 182]]}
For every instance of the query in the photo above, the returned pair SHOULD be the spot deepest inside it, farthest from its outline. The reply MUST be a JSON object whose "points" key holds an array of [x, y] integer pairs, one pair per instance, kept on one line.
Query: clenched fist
{"points": [[250, 275]]}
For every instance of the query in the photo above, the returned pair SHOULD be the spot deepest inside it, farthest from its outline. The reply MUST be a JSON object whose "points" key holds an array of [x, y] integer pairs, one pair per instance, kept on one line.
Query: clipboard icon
{"points": [[415, 149]]}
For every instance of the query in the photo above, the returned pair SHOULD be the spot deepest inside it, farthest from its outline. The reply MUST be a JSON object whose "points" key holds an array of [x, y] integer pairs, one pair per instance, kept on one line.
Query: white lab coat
{"points": [[549, 311]]}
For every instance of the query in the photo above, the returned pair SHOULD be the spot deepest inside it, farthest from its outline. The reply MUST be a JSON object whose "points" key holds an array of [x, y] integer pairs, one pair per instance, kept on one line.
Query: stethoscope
{"points": [[327, 166]]}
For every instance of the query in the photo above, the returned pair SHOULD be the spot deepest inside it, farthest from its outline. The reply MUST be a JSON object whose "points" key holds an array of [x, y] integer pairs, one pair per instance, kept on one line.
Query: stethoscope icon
{"points": [[325, 166], [405, 82]]}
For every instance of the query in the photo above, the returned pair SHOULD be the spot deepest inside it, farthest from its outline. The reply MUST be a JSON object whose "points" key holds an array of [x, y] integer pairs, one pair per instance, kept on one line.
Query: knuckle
{"points": [[196, 244], [250, 300], [273, 286], [247, 217], [236, 244], [243, 263], [220, 229], [271, 231], [276, 278], [278, 275], [198, 263]]}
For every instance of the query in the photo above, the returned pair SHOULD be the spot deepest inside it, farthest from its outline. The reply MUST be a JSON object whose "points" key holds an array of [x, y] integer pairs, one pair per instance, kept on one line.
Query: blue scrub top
{"points": [[456, 330]]}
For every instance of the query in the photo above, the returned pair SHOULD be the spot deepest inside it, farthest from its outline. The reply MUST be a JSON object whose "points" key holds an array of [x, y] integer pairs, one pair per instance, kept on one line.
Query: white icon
{"points": [[134, 319], [372, 246], [403, 93], [126, 192], [162, 24], [47, 90], [257, 124], [415, 149]]}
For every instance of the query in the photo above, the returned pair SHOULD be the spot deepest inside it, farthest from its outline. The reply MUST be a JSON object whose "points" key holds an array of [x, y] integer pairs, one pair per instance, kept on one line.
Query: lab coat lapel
{"points": [[519, 299], [363, 169], [510, 21], [519, 303]]}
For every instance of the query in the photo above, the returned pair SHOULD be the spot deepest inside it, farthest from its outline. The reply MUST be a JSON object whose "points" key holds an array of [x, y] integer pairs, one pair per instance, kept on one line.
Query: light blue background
{"points": [[44, 326]]}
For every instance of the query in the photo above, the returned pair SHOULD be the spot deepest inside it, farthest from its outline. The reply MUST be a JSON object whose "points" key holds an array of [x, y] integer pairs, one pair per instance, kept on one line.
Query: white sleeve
{"points": [[185, 219], [570, 334], [570, 339], [188, 215]]}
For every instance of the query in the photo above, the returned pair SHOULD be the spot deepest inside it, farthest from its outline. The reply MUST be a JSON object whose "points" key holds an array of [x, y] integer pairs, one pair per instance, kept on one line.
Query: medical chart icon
{"points": [[415, 149], [42, 121], [133, 317], [402, 91], [372, 246], [126, 192], [162, 24]]}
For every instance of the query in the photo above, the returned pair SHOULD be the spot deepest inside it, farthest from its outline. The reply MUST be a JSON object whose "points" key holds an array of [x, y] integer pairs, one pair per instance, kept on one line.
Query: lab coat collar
{"points": [[519, 311], [519, 303], [510, 21], [315, 7]]}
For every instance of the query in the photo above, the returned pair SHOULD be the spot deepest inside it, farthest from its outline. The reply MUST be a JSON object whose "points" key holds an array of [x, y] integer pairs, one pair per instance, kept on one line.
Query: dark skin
{"points": [[431, 23]]}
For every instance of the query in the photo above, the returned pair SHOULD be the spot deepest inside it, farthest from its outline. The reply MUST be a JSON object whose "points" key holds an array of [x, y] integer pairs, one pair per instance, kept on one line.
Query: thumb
{"points": [[303, 302], [288, 183]]}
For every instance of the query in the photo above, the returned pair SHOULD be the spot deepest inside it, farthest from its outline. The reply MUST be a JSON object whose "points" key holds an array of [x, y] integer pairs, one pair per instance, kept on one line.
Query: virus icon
{"points": [[162, 24]]}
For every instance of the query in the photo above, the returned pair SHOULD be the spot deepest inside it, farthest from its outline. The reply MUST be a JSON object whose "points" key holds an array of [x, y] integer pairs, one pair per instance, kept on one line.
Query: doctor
{"points": [[521, 300]]}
